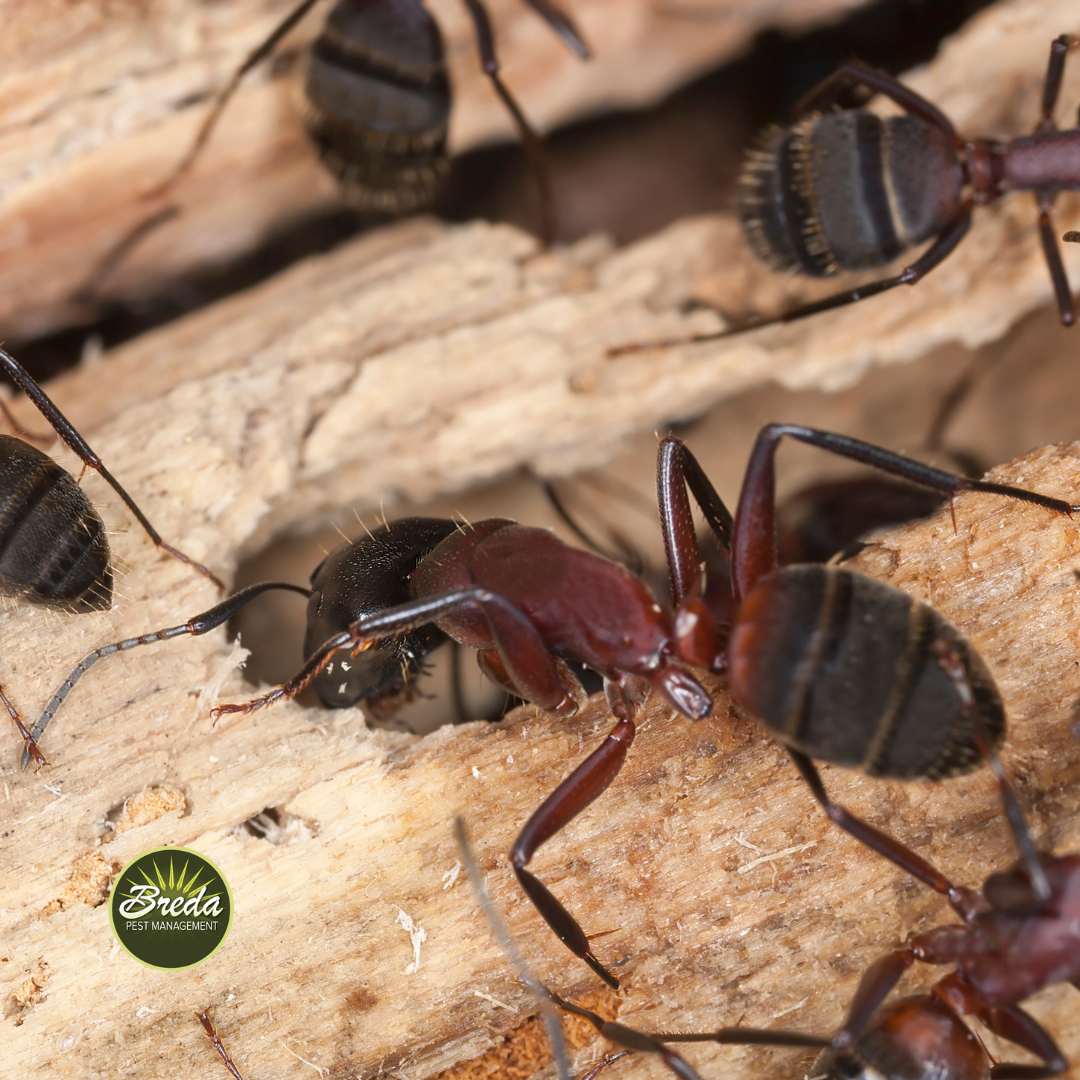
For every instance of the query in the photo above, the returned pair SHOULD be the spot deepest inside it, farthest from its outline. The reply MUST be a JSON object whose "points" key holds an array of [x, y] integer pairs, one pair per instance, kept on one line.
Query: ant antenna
{"points": [[200, 624]]}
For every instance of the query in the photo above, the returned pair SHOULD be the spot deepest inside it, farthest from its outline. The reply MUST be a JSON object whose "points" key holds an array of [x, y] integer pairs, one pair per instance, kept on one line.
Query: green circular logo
{"points": [[171, 908]]}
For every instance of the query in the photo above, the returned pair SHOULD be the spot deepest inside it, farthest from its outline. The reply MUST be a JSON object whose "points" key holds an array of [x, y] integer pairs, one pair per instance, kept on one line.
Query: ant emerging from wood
{"points": [[839, 666], [379, 104], [848, 190], [54, 550]]}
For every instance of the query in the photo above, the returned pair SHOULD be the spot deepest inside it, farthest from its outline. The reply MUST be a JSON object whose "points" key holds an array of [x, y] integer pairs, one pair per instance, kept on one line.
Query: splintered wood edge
{"points": [[425, 358], [357, 947], [100, 101]]}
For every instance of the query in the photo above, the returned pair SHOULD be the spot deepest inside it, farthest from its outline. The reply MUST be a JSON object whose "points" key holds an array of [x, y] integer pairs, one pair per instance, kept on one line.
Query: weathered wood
{"points": [[100, 98], [732, 898], [426, 358]]}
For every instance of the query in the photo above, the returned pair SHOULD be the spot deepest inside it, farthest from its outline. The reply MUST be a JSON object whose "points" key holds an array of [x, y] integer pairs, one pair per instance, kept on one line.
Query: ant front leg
{"points": [[527, 663], [585, 784], [676, 470]]}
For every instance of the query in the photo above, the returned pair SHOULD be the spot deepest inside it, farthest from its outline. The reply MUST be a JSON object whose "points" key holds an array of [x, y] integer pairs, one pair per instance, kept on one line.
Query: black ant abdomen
{"points": [[847, 191], [53, 547], [379, 104], [840, 667]]}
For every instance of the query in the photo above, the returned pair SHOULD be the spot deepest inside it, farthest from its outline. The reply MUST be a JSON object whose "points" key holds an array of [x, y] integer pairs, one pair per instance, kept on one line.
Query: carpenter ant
{"points": [[1012, 942], [920, 1036], [839, 666], [53, 547], [1011, 945], [848, 190], [208, 1026], [379, 100]]}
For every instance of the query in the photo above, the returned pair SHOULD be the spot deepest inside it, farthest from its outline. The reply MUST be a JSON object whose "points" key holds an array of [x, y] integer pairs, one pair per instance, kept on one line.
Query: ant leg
{"points": [[962, 900], [935, 254], [621, 551], [628, 1038], [492, 665], [563, 25], [676, 470], [91, 288], [754, 533], [1059, 50], [619, 1034], [1053, 260], [62, 426], [196, 626], [950, 663], [31, 747], [874, 987], [852, 73], [522, 650], [208, 1026], [21, 432], [586, 783], [603, 1063], [255, 57], [534, 146], [1009, 1022]]}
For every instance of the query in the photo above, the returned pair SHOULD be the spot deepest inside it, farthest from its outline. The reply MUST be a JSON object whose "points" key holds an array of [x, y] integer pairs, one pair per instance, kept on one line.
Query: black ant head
{"points": [[361, 578]]}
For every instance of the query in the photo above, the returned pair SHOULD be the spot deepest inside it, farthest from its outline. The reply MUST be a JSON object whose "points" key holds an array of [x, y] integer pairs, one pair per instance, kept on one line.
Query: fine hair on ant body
{"points": [[54, 550], [839, 666], [847, 190], [1006, 929], [378, 103]]}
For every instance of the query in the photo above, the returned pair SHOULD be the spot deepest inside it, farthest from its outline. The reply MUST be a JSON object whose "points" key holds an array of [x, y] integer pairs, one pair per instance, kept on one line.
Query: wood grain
{"points": [[99, 99], [730, 896]]}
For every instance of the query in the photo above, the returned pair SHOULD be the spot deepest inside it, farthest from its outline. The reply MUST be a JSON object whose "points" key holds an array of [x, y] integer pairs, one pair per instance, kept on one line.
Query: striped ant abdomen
{"points": [[379, 103], [53, 546], [844, 668], [848, 190]]}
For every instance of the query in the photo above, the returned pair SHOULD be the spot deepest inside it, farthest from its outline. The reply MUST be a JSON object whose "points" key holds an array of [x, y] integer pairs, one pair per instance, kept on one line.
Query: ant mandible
{"points": [[849, 190], [54, 550], [839, 666]]}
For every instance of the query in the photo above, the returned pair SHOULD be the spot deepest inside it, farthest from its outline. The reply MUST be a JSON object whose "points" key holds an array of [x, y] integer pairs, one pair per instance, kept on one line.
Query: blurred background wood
{"points": [[99, 99]]}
